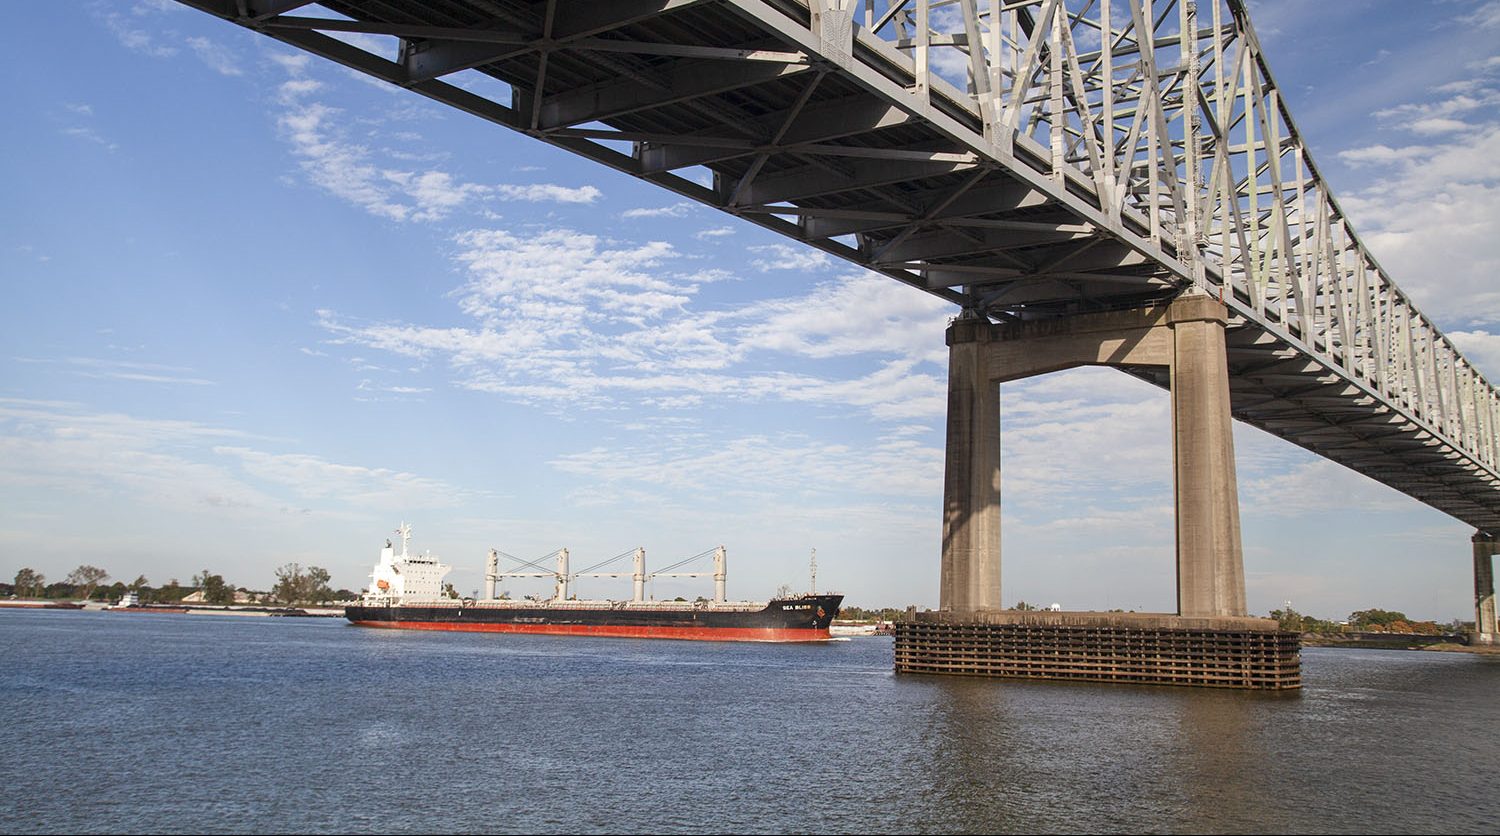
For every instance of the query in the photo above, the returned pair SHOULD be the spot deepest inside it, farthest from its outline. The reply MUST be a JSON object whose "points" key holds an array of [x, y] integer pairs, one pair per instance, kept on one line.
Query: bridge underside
{"points": [[768, 112]]}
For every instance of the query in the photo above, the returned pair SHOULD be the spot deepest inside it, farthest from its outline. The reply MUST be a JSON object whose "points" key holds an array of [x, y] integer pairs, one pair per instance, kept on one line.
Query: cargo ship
{"points": [[407, 591]]}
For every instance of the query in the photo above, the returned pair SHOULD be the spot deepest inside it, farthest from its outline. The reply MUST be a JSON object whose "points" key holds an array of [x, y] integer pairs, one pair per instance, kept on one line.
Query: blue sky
{"points": [[261, 310]]}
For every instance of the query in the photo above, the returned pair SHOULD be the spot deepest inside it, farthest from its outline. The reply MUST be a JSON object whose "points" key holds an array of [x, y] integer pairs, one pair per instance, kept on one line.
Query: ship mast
{"points": [[813, 566], [405, 532]]}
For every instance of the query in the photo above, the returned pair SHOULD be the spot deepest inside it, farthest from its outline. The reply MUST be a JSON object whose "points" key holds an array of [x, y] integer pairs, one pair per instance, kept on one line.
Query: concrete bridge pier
{"points": [[1210, 560], [1185, 338], [1484, 589], [970, 578], [1209, 641]]}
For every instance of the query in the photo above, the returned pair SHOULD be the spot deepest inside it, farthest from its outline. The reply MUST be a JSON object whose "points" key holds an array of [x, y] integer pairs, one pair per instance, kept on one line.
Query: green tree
{"points": [[318, 589], [87, 578], [295, 585], [1375, 619], [1289, 620], [139, 583], [171, 593], [449, 591], [215, 590], [30, 583], [290, 581]]}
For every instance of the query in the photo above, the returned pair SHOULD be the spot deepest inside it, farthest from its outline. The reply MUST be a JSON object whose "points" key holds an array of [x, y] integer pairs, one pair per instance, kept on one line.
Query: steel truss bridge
{"points": [[1024, 159]]}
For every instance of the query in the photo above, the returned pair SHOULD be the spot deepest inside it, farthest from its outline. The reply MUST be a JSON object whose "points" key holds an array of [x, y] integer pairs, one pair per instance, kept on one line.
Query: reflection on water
{"points": [[188, 723]]}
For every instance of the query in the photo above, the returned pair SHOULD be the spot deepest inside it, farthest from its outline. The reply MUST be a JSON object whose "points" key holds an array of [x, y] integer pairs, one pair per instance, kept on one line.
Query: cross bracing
{"points": [[1022, 158]]}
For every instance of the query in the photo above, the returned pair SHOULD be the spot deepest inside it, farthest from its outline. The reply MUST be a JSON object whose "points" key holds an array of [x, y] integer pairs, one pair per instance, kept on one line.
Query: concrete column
{"points": [[1484, 589], [971, 480], [1210, 565]]}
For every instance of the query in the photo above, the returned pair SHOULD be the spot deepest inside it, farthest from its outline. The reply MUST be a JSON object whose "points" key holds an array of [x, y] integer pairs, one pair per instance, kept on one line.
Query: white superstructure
{"points": [[404, 578]]}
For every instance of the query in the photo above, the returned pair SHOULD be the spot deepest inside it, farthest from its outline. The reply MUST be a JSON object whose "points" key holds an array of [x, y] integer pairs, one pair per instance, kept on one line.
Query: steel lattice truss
{"points": [[1029, 158]]}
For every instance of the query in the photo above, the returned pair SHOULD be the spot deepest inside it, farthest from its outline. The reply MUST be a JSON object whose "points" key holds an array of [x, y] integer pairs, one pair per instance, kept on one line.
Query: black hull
{"points": [[789, 619]]}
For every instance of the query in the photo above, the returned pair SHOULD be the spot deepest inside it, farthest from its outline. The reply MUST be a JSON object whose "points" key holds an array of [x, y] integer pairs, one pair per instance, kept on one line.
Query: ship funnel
{"points": [[721, 557], [640, 574]]}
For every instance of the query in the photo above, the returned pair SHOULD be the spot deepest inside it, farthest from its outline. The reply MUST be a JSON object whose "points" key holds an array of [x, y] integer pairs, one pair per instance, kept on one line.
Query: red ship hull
{"points": [[711, 634]]}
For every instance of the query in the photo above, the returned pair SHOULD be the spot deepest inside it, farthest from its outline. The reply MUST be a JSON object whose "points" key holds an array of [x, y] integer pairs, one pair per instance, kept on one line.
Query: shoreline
{"points": [[1398, 641]]}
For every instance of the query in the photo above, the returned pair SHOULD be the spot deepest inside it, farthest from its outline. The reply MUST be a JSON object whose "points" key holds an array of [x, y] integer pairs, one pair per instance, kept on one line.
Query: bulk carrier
{"points": [[406, 591]]}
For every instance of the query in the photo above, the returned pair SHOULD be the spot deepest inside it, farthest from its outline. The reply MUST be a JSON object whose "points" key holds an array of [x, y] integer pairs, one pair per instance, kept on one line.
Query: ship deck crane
{"points": [[721, 560]]}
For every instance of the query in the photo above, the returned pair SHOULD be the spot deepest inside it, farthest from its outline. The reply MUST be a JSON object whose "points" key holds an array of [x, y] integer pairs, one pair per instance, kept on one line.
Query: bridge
{"points": [[1111, 182]]}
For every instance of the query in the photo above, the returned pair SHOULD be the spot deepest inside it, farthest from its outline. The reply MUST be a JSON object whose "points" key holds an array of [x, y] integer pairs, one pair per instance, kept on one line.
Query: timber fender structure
{"points": [[1138, 648]]}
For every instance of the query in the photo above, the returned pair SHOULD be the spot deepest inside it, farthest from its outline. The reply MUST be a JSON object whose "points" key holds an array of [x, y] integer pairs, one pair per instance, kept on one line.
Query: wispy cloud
{"points": [[1431, 211], [127, 27], [639, 339], [312, 478], [124, 370], [352, 171], [676, 210], [90, 135], [789, 257], [550, 192], [192, 467], [217, 56]]}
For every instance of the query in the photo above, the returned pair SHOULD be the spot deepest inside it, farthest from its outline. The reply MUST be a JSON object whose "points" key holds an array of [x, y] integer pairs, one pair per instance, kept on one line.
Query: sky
{"points": [[261, 310]]}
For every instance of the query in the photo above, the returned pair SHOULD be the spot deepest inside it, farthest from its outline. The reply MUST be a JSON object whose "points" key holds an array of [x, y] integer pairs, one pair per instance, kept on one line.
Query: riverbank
{"points": [[1399, 641], [177, 609]]}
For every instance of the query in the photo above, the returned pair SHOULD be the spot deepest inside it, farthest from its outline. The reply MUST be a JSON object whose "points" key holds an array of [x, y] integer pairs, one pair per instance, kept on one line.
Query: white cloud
{"points": [[550, 192], [765, 467], [1482, 348], [135, 38], [294, 63], [312, 478], [790, 257], [352, 171], [636, 339], [676, 210], [1486, 16], [1438, 125], [858, 313], [217, 56], [90, 135], [1316, 486], [542, 275], [109, 455], [1382, 155], [189, 467], [1432, 215], [715, 232]]}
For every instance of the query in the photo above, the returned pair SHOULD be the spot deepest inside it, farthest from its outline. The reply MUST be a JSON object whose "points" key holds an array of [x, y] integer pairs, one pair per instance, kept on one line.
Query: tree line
{"points": [[295, 584], [1373, 620]]}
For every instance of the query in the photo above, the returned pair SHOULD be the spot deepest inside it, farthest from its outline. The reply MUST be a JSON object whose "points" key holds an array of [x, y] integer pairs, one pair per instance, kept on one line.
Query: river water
{"points": [[179, 723]]}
